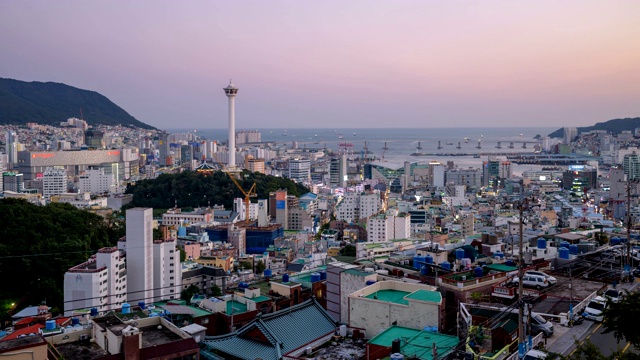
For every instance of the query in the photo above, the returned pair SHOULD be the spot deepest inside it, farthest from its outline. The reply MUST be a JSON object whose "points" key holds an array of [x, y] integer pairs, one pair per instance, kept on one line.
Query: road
{"points": [[607, 342]]}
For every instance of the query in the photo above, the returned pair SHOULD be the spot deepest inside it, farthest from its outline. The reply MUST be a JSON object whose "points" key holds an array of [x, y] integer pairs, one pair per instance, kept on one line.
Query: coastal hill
{"points": [[51, 103], [615, 126]]}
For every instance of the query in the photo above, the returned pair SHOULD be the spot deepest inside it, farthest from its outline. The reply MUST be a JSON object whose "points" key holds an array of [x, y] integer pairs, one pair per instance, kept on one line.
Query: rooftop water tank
{"points": [[574, 249], [285, 278], [510, 263], [615, 240], [268, 272], [323, 275], [243, 285], [564, 244], [75, 321], [94, 312], [542, 243], [126, 308], [445, 265], [418, 261], [459, 254], [141, 305], [498, 255], [429, 259], [564, 253], [315, 277], [370, 282], [424, 270], [478, 272], [50, 325]]}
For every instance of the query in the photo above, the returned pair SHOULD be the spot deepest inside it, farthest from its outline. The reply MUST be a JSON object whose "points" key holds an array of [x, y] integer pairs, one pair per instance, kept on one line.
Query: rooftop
{"points": [[390, 295], [34, 340], [357, 272], [425, 295], [81, 350], [414, 342], [234, 307]]}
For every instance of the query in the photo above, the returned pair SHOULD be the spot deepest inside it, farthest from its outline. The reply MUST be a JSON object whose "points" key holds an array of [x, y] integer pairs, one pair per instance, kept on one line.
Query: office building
{"points": [[94, 139], [631, 166], [338, 171], [95, 181], [570, 134], [11, 148], [54, 182], [12, 181], [300, 170]]}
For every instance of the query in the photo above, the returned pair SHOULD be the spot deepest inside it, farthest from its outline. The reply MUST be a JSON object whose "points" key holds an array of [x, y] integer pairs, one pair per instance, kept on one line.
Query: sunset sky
{"points": [[349, 64]]}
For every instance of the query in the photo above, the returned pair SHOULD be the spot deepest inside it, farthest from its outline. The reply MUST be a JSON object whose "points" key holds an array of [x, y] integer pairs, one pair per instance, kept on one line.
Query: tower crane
{"points": [[247, 194]]}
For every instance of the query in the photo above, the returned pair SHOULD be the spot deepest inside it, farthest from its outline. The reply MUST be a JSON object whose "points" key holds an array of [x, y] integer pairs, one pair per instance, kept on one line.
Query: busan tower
{"points": [[231, 92]]}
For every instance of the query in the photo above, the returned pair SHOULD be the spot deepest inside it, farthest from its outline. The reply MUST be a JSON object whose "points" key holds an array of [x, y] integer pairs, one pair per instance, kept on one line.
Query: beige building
{"points": [[384, 303]]}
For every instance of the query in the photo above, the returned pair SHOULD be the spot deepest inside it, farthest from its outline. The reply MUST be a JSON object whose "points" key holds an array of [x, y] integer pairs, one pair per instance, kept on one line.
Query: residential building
{"points": [[167, 277], [300, 170], [12, 181], [255, 165], [54, 182], [95, 181], [176, 217], [100, 282], [472, 178], [140, 254], [380, 228], [359, 205], [631, 166]]}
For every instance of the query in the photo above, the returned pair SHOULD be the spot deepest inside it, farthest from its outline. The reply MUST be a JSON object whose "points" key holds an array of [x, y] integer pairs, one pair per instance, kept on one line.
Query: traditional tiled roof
{"points": [[284, 331]]}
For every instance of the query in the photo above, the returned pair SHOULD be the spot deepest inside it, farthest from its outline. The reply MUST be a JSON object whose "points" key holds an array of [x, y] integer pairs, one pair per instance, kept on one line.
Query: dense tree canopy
{"points": [[196, 189], [622, 319], [38, 244]]}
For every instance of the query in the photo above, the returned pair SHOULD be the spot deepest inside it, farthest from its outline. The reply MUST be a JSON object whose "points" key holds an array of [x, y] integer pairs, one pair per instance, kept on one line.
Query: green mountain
{"points": [[51, 103], [615, 126]]}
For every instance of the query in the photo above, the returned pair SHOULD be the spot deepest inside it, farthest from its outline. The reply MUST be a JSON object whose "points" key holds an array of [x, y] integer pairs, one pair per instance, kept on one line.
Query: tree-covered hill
{"points": [[191, 189], [51, 103], [615, 126], [38, 244]]}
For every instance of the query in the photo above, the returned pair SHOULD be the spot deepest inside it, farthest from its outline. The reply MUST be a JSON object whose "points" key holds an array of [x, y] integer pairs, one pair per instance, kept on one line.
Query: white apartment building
{"points": [[167, 274], [95, 181], [360, 205], [100, 282], [54, 182], [81, 201], [380, 228], [239, 207], [401, 226], [300, 170], [139, 248]]}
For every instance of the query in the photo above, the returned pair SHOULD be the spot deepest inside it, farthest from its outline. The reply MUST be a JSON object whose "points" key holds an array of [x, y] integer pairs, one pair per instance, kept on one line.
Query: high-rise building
{"points": [[186, 156], [54, 182], [94, 139], [139, 249], [300, 170], [167, 274], [231, 92], [100, 282], [570, 133], [278, 207], [631, 166], [163, 149], [95, 181], [12, 181], [255, 165], [338, 171], [11, 148]]}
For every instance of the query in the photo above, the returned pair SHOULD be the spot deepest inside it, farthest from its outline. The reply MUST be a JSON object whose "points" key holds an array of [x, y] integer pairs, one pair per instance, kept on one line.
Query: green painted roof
{"points": [[260, 298], [357, 272], [425, 295], [414, 342], [501, 267], [237, 307], [197, 312], [390, 295]]}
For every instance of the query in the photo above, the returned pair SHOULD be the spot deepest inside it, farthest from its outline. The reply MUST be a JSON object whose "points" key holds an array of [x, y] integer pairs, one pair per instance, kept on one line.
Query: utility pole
{"points": [[628, 265], [521, 341]]}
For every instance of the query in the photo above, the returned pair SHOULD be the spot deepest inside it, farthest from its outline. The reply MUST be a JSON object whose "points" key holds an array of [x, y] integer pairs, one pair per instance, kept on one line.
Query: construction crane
{"points": [[247, 194]]}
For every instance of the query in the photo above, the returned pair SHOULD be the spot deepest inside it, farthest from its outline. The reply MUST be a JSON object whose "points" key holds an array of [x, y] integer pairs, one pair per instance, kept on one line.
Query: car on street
{"points": [[552, 280], [534, 355], [615, 296], [594, 309], [541, 325]]}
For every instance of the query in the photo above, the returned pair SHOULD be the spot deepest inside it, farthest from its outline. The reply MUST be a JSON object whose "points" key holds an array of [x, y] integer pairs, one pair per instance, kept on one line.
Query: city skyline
{"points": [[334, 64]]}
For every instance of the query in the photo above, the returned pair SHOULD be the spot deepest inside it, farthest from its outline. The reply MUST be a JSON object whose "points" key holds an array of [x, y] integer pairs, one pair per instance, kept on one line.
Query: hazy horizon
{"points": [[335, 64]]}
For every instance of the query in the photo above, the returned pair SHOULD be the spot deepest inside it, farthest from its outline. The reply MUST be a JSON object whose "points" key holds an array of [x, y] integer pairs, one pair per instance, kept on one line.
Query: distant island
{"points": [[50, 103], [615, 126]]}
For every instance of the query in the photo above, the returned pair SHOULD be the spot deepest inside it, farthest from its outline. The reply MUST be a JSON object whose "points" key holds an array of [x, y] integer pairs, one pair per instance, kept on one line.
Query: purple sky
{"points": [[337, 63]]}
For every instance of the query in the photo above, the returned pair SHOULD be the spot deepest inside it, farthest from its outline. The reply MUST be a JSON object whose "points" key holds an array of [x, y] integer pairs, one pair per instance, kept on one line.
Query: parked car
{"points": [[541, 325], [594, 309], [534, 355], [552, 280], [614, 295], [534, 281]]}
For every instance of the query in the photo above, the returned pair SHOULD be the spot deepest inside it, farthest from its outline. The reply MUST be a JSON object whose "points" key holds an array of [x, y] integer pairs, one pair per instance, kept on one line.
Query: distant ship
{"points": [[354, 134], [449, 143], [476, 156], [466, 139]]}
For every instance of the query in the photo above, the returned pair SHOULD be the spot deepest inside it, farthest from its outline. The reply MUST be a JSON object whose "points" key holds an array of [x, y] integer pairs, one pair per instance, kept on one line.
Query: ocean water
{"points": [[401, 143]]}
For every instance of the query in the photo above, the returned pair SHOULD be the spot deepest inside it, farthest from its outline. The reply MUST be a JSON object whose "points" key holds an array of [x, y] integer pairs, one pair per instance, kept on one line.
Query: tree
{"points": [[260, 266], [245, 265], [188, 293], [622, 319], [215, 290], [183, 255], [348, 250], [589, 351]]}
